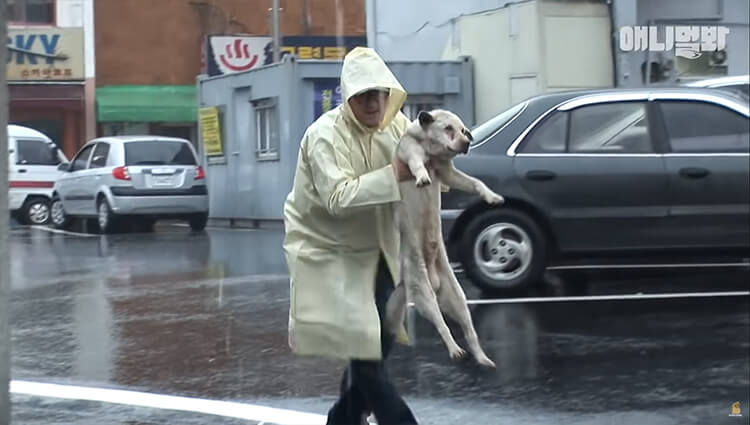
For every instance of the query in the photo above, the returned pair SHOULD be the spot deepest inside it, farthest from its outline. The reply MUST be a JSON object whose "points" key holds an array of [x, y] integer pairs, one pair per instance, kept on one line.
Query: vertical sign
{"points": [[327, 96]]}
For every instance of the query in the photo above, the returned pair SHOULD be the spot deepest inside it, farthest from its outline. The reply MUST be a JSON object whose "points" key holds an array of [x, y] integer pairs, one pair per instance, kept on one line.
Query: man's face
{"points": [[369, 107]]}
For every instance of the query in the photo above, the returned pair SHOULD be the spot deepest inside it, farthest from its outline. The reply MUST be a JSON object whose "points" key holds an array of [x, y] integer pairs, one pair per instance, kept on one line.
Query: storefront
{"points": [[46, 83]]}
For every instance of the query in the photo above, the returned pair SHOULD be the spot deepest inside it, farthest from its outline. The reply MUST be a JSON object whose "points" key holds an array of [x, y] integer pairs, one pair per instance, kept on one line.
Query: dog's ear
{"points": [[468, 135], [425, 118]]}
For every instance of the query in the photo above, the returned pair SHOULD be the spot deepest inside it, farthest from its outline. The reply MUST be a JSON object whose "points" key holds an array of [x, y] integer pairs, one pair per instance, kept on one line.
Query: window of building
{"points": [[31, 11], [266, 129]]}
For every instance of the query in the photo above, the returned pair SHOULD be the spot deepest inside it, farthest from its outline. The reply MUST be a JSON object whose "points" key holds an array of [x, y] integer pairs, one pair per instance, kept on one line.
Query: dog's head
{"points": [[443, 134]]}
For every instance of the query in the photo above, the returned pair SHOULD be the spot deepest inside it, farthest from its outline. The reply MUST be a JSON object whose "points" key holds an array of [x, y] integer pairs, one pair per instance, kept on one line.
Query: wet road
{"points": [[205, 316]]}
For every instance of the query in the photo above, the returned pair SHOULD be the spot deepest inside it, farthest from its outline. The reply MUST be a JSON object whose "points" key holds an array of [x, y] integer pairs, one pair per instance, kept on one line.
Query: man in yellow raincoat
{"points": [[341, 243]]}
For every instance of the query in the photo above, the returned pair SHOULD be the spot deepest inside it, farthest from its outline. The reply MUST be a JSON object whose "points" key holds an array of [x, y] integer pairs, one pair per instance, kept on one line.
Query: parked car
{"points": [[33, 161], [137, 178], [617, 174], [739, 84]]}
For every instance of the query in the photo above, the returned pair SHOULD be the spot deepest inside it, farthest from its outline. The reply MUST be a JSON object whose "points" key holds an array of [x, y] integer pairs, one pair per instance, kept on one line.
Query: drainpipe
{"points": [[276, 32]]}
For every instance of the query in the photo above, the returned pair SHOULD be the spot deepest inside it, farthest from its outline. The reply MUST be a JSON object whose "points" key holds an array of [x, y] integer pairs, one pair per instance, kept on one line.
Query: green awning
{"points": [[146, 104]]}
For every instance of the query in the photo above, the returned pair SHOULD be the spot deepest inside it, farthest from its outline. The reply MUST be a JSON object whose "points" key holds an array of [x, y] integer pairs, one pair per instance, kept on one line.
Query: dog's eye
{"points": [[449, 128]]}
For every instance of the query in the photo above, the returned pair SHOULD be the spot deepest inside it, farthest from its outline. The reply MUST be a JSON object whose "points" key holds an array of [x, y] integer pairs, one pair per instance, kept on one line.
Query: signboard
{"points": [[327, 96], [210, 124], [230, 54], [39, 54], [227, 55]]}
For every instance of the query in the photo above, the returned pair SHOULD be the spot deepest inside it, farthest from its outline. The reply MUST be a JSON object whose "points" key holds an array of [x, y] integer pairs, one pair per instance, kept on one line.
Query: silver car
{"points": [[135, 178]]}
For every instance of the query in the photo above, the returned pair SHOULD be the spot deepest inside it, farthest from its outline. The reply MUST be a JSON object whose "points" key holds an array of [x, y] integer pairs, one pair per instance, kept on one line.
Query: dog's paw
{"points": [[485, 361], [456, 352], [493, 198], [423, 180]]}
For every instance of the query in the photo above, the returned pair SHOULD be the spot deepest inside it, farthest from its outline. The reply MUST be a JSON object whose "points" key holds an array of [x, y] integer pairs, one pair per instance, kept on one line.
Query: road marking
{"points": [[63, 232], [167, 402], [648, 266], [610, 297]]}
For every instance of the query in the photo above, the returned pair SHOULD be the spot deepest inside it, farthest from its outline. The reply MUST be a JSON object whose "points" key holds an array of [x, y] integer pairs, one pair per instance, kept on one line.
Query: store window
{"points": [[31, 11]]}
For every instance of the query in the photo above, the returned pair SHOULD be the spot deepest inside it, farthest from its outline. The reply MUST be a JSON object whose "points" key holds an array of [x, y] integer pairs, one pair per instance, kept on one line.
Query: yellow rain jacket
{"points": [[338, 218]]}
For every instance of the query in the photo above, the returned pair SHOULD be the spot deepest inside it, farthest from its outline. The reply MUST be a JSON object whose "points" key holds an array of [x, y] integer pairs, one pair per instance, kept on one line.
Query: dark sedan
{"points": [[627, 175]]}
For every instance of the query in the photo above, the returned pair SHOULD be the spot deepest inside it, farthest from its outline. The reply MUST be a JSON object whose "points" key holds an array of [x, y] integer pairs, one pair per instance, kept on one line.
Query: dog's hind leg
{"points": [[421, 294], [452, 302]]}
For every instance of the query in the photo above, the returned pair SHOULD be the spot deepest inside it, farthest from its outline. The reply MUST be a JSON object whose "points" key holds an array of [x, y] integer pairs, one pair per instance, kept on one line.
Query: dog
{"points": [[427, 279]]}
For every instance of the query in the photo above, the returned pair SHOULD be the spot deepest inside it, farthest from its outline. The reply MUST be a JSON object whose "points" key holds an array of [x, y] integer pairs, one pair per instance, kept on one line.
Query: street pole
{"points": [[276, 32], [4, 226]]}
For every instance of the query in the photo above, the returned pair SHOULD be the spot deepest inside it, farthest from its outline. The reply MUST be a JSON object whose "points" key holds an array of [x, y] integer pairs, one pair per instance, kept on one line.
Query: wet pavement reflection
{"points": [[205, 315]]}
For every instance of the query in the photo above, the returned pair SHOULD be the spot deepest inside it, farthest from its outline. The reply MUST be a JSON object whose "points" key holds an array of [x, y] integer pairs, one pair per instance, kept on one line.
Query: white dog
{"points": [[428, 148]]}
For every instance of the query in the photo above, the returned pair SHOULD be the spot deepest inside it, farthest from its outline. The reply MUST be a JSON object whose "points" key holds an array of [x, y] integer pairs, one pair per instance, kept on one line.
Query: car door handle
{"points": [[694, 173], [22, 170], [540, 175]]}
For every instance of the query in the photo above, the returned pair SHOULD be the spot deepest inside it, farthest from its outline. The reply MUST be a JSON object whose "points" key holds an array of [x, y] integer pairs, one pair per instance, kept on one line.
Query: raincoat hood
{"points": [[364, 70]]}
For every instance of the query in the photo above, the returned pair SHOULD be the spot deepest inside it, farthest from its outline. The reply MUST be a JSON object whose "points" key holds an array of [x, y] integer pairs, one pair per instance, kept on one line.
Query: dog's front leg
{"points": [[458, 180], [418, 170]]}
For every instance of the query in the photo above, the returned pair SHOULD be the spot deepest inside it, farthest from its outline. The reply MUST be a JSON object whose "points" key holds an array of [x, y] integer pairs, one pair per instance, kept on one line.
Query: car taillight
{"points": [[199, 173], [121, 173]]}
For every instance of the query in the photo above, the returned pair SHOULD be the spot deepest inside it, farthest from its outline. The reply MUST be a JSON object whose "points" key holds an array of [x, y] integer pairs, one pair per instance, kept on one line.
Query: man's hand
{"points": [[401, 169]]}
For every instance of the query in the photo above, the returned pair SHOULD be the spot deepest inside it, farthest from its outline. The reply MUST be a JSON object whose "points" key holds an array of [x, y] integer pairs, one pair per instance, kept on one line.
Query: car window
{"points": [[36, 152], [619, 127], [158, 153], [81, 160], [549, 136], [704, 127], [100, 155], [487, 128]]}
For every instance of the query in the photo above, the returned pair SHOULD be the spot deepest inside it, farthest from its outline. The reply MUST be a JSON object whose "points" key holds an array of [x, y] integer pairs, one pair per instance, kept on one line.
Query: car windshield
{"points": [[487, 128], [158, 152]]}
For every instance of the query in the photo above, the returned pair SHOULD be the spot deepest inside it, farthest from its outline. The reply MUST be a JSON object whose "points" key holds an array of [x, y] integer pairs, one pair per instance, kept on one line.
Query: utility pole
{"points": [[4, 226], [275, 31]]}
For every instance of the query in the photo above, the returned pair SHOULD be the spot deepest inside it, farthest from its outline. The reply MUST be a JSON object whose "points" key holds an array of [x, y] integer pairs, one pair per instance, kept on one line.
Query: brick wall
{"points": [[158, 41]]}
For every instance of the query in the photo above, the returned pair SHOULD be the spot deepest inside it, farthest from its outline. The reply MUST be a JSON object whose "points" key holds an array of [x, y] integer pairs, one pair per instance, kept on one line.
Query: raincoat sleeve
{"points": [[340, 189]]}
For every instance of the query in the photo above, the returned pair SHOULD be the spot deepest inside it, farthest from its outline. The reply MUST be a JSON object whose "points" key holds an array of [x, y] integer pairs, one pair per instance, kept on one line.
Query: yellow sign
{"points": [[211, 131], [39, 54], [736, 409]]}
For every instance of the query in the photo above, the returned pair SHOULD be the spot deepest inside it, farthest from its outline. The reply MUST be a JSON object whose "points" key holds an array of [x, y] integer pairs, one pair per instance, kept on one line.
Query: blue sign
{"points": [[32, 46], [327, 96]]}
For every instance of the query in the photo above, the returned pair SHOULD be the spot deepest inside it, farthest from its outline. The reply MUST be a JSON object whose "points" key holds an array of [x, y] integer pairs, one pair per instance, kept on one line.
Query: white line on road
{"points": [[611, 297], [63, 232], [648, 266], [158, 401]]}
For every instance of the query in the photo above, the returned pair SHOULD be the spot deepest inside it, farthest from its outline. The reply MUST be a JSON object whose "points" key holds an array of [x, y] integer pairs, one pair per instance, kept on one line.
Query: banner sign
{"points": [[327, 96], [229, 54]]}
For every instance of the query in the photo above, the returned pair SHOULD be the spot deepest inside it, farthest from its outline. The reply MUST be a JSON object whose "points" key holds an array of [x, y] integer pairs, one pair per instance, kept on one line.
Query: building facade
{"points": [[150, 52], [51, 69]]}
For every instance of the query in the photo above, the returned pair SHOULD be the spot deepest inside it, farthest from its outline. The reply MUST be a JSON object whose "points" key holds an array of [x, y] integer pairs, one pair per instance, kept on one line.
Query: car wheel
{"points": [[503, 250], [105, 218], [198, 221], [35, 211], [57, 214]]}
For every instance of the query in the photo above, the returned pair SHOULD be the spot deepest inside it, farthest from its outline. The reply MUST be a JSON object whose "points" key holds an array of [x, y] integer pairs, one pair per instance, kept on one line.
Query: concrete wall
{"points": [[245, 187], [735, 14], [80, 14], [417, 30], [532, 47]]}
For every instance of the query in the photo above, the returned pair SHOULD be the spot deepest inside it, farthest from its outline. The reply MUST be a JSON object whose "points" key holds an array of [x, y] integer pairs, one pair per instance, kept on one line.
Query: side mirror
{"points": [[63, 166]]}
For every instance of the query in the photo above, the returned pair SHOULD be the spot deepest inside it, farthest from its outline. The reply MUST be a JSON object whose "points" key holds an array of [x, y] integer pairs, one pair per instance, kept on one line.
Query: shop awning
{"points": [[146, 104]]}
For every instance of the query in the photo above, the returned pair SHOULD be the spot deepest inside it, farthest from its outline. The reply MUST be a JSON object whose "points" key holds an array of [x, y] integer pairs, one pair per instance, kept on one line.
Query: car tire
{"points": [[35, 211], [106, 220], [58, 218], [198, 221], [503, 251]]}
